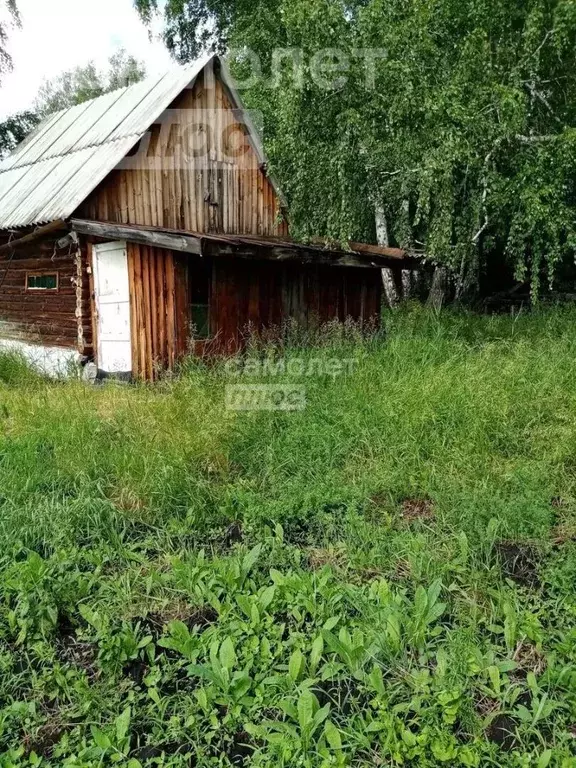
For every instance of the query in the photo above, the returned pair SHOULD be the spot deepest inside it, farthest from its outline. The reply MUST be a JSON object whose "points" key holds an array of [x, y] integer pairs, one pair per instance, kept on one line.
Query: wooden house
{"points": [[144, 224]]}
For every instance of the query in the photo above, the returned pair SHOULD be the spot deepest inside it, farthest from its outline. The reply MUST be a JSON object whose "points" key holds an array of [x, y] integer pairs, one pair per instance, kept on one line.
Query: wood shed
{"points": [[143, 225]]}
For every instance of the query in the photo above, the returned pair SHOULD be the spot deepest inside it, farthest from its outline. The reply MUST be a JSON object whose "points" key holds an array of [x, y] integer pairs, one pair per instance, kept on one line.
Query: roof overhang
{"points": [[52, 172], [250, 247]]}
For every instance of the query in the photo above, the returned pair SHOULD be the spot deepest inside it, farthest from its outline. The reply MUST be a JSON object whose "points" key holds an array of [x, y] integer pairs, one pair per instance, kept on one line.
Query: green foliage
{"points": [[465, 138], [384, 578], [86, 82], [15, 370], [15, 129]]}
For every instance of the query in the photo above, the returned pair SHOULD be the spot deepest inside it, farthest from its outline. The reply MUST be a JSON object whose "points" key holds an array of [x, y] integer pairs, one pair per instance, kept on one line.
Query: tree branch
{"points": [[536, 139]]}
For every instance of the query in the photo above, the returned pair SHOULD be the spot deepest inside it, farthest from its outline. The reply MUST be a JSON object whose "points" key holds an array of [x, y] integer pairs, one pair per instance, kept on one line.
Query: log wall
{"points": [[59, 318], [159, 312]]}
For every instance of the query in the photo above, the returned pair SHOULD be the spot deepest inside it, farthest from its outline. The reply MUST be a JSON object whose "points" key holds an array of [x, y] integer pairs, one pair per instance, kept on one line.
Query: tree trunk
{"points": [[390, 290], [407, 283], [438, 290]]}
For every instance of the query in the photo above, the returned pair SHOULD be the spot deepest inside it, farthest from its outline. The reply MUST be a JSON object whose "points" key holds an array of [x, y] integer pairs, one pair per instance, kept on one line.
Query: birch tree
{"points": [[466, 130]]}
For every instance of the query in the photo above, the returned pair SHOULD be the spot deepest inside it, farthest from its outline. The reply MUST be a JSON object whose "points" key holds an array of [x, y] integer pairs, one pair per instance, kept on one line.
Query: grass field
{"points": [[386, 577]]}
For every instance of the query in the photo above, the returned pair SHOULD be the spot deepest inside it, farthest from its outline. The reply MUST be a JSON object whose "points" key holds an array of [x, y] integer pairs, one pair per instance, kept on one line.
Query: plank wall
{"points": [[195, 170]]}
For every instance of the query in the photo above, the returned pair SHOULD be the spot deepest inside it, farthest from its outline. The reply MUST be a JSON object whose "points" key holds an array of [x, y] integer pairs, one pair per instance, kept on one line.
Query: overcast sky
{"points": [[60, 34]]}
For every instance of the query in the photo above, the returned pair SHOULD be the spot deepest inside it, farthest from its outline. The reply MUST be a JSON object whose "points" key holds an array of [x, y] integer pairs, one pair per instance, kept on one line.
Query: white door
{"points": [[112, 297]]}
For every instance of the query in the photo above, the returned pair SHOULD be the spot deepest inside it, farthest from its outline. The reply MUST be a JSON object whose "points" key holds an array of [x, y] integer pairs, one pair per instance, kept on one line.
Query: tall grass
{"points": [[448, 437], [475, 413]]}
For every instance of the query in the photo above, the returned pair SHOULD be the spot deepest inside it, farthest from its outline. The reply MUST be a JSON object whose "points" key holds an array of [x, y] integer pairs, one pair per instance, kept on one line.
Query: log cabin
{"points": [[144, 224]]}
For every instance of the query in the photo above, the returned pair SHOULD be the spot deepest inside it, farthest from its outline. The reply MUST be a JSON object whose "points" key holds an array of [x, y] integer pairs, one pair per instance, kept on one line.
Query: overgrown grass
{"points": [[383, 578]]}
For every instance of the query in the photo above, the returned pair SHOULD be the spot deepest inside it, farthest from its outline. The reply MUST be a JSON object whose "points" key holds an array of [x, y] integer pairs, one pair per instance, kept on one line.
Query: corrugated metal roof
{"points": [[72, 151]]}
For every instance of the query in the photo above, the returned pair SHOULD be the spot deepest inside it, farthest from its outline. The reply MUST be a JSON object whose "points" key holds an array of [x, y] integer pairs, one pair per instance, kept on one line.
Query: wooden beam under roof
{"points": [[275, 251], [31, 237], [174, 241], [248, 247]]}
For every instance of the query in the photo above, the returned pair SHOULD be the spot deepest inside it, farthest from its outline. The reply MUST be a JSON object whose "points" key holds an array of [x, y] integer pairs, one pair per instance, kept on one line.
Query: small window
{"points": [[200, 274], [44, 282]]}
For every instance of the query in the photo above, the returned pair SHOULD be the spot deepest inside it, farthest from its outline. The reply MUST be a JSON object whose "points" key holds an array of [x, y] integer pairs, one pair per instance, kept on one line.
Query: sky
{"points": [[57, 35]]}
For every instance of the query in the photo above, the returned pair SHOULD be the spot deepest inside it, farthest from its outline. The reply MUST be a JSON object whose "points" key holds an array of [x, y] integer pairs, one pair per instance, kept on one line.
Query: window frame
{"points": [[42, 273], [209, 266]]}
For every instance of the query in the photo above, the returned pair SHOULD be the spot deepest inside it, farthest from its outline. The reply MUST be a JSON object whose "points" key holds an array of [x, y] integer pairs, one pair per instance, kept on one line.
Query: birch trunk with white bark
{"points": [[390, 291]]}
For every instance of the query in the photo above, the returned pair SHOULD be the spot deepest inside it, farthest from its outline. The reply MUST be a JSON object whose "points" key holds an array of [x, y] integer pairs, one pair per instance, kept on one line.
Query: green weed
{"points": [[383, 578]]}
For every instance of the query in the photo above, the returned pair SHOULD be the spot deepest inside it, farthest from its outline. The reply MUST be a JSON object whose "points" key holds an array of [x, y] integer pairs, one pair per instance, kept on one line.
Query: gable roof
{"points": [[55, 168]]}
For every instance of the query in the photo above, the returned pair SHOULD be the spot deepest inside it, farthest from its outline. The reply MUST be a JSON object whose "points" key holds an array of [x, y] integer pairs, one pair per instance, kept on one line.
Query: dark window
{"points": [[200, 278], [46, 282]]}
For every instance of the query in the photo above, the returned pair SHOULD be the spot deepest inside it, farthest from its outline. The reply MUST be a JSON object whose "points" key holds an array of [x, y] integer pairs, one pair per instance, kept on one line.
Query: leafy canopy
{"points": [[87, 82], [66, 90], [15, 129], [467, 137]]}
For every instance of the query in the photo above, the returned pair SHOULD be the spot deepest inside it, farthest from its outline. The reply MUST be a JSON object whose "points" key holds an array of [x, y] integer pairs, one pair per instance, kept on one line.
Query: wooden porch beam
{"points": [[142, 235], [247, 247], [304, 255], [398, 254]]}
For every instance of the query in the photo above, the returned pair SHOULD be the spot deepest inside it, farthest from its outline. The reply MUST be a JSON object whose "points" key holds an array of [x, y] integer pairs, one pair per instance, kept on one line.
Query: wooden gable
{"points": [[195, 170]]}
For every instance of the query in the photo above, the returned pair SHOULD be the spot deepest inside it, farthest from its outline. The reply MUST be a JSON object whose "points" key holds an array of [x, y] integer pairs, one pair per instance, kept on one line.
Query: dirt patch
{"points": [[72, 651], [136, 670], [44, 739], [65, 627], [502, 731], [413, 509], [340, 694], [193, 616], [233, 535], [519, 561], [502, 726], [80, 654], [241, 749], [177, 681], [529, 659]]}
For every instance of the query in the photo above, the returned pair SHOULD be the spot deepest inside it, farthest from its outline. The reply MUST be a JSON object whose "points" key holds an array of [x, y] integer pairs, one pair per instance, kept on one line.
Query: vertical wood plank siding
{"points": [[246, 297], [249, 297], [220, 191], [152, 310]]}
